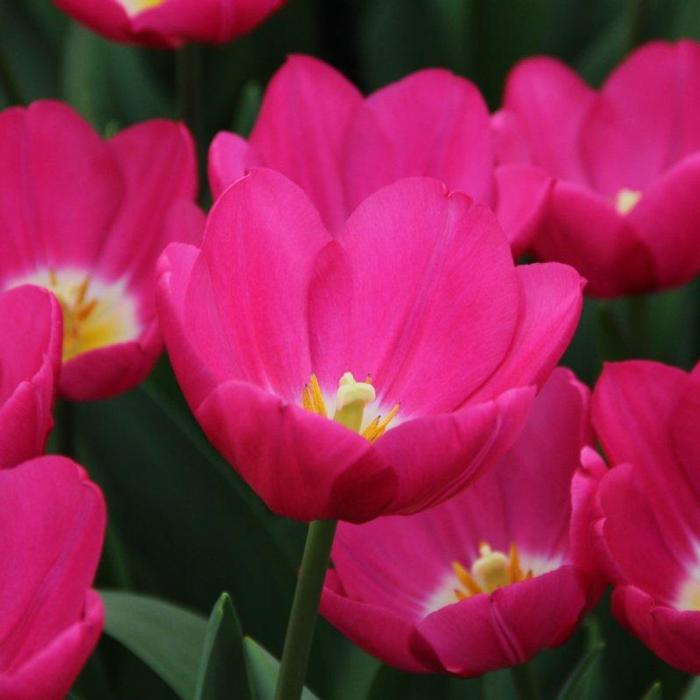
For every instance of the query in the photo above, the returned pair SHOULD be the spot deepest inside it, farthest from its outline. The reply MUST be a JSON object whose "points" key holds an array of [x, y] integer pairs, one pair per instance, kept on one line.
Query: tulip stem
{"points": [[524, 682], [7, 82], [64, 431], [302, 620], [190, 95]]}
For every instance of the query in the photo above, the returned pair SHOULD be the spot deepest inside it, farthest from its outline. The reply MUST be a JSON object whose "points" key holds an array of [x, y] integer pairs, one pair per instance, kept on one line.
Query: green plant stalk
{"points": [[524, 682], [190, 95], [302, 619], [8, 84]]}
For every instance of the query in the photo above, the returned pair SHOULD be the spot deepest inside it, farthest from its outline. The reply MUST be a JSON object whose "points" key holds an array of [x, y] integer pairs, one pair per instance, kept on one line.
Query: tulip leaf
{"points": [[264, 669], [223, 668], [576, 687], [168, 638], [654, 693], [692, 692]]}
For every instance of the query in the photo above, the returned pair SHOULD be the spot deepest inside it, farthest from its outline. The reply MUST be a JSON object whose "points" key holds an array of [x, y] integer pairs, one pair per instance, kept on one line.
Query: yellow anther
{"points": [[626, 200], [133, 7], [466, 579]]}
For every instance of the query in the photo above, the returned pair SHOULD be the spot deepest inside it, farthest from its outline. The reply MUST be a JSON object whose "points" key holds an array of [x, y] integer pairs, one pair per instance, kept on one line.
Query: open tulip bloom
{"points": [[30, 358], [52, 522], [489, 578], [316, 128], [170, 23], [647, 416], [87, 219], [624, 208], [374, 371]]}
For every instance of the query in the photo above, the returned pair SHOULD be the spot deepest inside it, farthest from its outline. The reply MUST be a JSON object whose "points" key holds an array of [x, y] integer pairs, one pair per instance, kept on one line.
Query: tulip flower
{"points": [[489, 578], [315, 128], [375, 371], [647, 415], [87, 220], [170, 23], [626, 161], [52, 521], [30, 357]]}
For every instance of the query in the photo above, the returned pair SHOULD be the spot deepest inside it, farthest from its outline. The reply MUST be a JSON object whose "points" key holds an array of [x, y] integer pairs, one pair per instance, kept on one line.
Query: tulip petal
{"points": [[550, 310], [432, 123], [230, 158], [666, 218], [423, 273], [508, 627], [551, 102], [521, 199], [583, 229], [301, 127]]}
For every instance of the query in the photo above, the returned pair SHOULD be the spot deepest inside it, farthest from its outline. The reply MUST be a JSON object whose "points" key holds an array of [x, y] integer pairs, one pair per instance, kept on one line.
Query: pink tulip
{"points": [[271, 322], [86, 219], [316, 128], [52, 521], [624, 208], [489, 578], [647, 417], [170, 23], [30, 357]]}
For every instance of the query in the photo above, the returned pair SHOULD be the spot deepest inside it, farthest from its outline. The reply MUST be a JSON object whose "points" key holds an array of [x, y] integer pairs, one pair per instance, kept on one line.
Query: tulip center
{"points": [[689, 598], [133, 7], [351, 400], [626, 200], [492, 570], [95, 314]]}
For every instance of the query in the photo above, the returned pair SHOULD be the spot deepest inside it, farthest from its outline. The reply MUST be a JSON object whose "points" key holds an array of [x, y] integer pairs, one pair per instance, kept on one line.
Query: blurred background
{"points": [[182, 525]]}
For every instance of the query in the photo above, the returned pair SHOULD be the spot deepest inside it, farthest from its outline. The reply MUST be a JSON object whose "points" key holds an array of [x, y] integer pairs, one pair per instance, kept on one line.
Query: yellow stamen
{"points": [[378, 426], [626, 200], [133, 7], [466, 579], [516, 573]]}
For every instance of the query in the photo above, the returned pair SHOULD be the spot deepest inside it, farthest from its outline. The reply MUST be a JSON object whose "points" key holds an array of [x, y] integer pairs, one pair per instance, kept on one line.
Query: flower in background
{"points": [[315, 127], [170, 23], [52, 521], [378, 370], [30, 357], [647, 416], [624, 208], [87, 219], [491, 577]]}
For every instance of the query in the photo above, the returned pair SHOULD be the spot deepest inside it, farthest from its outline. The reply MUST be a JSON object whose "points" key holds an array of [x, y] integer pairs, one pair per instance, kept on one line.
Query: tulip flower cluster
{"points": [[352, 328]]}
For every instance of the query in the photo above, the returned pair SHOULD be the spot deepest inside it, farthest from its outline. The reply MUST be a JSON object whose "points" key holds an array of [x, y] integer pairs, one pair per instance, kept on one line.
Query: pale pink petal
{"points": [[230, 158], [432, 123], [300, 131]]}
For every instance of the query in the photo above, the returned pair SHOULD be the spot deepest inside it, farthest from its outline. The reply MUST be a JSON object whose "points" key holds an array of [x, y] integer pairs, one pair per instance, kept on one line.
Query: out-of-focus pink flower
{"points": [[647, 416], [170, 23], [270, 323], [489, 578], [86, 219], [624, 208], [30, 357], [52, 520], [315, 128]]}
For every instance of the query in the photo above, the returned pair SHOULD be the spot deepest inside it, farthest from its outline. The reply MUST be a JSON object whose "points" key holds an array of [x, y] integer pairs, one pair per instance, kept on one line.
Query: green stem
{"points": [[638, 325], [190, 95], [302, 620], [524, 682], [64, 442], [8, 84]]}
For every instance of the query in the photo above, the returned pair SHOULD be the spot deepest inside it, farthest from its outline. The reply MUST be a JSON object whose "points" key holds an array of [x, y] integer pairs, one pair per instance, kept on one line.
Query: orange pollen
{"points": [[492, 570]]}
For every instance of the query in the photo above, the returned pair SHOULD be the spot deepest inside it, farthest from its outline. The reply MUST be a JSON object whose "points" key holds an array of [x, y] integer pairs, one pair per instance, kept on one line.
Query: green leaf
{"points": [[167, 638], [264, 669], [654, 693], [576, 687], [223, 668], [692, 692]]}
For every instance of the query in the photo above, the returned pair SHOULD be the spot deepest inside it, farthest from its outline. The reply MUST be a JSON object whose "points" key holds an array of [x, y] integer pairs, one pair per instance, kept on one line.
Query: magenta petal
{"points": [[666, 218], [436, 457], [381, 632], [509, 140], [684, 437], [584, 230], [673, 635], [30, 358], [508, 627], [432, 123], [302, 465], [300, 131], [48, 631], [522, 193], [230, 157], [423, 272], [550, 311], [551, 102], [266, 230]]}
